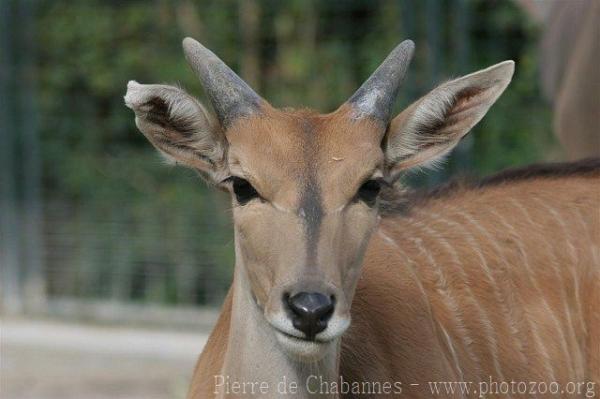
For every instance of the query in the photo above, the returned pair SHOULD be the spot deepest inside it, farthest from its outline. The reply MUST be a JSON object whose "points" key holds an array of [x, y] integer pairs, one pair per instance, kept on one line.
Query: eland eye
{"points": [[243, 190], [369, 191]]}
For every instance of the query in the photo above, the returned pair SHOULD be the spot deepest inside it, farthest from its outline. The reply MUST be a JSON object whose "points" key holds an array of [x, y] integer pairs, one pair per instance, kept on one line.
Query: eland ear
{"points": [[426, 131], [179, 127]]}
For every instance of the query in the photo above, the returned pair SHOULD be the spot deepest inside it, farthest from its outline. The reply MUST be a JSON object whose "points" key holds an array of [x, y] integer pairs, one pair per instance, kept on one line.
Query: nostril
{"points": [[286, 299], [327, 311], [294, 305]]}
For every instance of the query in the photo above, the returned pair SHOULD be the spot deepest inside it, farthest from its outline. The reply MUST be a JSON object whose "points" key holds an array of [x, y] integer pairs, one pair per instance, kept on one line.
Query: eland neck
{"points": [[254, 360]]}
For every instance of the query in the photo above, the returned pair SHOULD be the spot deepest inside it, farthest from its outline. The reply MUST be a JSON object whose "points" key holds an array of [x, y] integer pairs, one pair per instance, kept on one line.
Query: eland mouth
{"points": [[307, 347]]}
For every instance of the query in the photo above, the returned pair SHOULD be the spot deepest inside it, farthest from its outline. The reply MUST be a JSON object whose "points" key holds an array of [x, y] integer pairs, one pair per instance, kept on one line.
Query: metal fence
{"points": [[57, 252], [70, 258]]}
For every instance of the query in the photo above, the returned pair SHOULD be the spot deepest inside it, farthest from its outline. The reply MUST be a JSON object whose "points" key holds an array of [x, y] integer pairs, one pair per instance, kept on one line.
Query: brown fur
{"points": [[508, 298], [395, 332], [211, 360], [399, 200], [499, 280]]}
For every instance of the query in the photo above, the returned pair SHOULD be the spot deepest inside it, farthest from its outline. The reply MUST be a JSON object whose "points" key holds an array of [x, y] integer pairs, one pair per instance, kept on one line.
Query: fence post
{"points": [[462, 46], [9, 217], [34, 288]]}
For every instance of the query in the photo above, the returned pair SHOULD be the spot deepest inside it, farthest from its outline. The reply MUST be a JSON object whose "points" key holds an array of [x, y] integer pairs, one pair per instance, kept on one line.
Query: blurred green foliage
{"points": [[160, 223]]}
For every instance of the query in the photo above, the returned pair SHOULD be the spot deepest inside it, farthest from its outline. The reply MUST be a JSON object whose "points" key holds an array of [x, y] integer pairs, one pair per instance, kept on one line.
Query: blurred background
{"points": [[109, 258]]}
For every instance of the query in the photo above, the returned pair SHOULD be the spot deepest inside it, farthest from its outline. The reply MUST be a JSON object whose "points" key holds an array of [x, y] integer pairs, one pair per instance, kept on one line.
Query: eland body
{"points": [[341, 276]]}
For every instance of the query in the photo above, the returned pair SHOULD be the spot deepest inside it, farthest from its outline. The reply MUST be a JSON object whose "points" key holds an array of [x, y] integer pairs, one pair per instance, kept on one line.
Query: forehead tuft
{"points": [[287, 130], [285, 148]]}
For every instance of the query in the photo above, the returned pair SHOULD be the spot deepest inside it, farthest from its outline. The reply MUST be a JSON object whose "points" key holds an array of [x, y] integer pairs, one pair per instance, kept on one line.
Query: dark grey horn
{"points": [[230, 96], [376, 96]]}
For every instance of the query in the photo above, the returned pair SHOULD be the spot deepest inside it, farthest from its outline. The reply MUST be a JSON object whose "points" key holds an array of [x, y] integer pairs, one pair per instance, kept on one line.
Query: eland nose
{"points": [[310, 312]]}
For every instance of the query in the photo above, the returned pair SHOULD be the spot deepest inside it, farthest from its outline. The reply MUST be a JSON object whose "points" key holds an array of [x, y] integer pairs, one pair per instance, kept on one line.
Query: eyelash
{"points": [[369, 191], [244, 191]]}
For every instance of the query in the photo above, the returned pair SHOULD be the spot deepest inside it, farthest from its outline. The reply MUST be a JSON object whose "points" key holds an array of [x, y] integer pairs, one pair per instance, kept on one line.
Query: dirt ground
{"points": [[51, 360]]}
